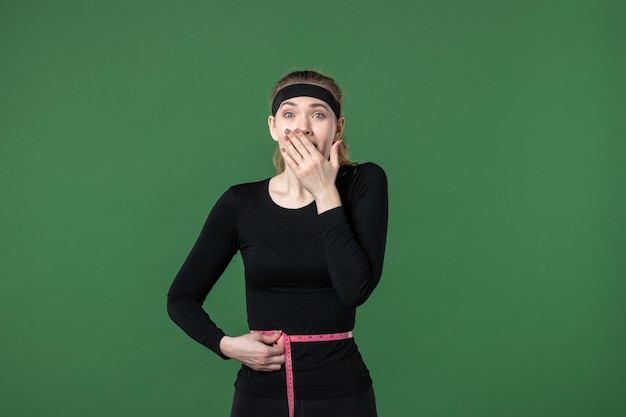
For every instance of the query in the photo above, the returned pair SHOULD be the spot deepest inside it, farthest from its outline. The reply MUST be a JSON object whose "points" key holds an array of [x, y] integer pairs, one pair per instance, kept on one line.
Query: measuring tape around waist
{"points": [[288, 340]]}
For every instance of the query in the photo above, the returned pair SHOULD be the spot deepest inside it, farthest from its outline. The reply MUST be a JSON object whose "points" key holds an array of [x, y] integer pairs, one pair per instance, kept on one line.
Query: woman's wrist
{"points": [[327, 200], [224, 346]]}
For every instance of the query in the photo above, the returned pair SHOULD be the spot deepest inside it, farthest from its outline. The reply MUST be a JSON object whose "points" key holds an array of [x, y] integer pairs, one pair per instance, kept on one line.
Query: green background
{"points": [[501, 126]]}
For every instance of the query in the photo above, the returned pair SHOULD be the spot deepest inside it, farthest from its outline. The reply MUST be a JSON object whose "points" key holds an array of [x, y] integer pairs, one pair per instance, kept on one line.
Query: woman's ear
{"points": [[271, 124], [341, 122]]}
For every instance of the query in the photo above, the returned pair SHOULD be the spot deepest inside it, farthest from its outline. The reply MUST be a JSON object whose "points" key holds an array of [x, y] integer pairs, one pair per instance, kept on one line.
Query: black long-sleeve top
{"points": [[305, 273]]}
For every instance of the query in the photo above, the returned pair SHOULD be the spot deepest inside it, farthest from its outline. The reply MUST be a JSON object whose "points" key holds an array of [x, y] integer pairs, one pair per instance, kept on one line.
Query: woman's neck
{"points": [[287, 191]]}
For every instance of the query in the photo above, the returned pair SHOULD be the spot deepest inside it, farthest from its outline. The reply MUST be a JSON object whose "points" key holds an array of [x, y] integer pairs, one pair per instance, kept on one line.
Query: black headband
{"points": [[305, 90]]}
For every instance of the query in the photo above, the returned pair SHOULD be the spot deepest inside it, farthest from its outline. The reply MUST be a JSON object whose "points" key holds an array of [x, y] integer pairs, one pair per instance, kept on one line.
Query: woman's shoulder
{"points": [[366, 178], [250, 186], [365, 170], [248, 191]]}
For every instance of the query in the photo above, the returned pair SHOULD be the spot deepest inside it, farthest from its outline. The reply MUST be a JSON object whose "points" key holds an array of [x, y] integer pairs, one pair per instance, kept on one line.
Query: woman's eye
{"points": [[319, 115], [288, 114]]}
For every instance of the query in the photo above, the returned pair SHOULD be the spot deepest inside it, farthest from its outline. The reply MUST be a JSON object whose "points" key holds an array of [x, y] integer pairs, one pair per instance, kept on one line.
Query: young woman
{"points": [[312, 239]]}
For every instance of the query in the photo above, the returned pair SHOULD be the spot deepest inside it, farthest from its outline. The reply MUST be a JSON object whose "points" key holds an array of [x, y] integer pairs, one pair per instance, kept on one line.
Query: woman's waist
{"points": [[319, 369], [299, 314]]}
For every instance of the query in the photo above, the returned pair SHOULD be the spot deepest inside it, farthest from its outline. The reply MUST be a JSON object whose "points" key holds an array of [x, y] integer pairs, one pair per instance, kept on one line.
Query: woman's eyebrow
{"points": [[313, 105], [319, 105]]}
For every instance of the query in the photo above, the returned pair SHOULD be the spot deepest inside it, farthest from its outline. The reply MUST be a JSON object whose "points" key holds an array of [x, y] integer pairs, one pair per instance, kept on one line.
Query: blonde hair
{"points": [[316, 78]]}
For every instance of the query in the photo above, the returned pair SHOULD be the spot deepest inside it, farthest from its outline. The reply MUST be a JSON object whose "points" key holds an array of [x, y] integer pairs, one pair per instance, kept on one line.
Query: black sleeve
{"points": [[206, 262], [355, 247]]}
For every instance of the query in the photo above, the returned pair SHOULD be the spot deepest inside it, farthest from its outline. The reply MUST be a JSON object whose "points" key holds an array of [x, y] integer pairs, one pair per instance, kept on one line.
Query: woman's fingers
{"points": [[298, 149], [301, 143], [269, 339], [286, 152], [315, 172], [301, 146], [271, 355], [334, 154], [255, 350]]}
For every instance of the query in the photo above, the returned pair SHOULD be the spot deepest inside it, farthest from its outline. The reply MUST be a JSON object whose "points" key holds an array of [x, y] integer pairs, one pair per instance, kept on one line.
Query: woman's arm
{"points": [[206, 262], [354, 235], [209, 257]]}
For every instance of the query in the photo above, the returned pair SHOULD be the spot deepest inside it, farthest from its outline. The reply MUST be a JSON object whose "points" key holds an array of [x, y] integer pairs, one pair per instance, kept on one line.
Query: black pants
{"points": [[361, 405]]}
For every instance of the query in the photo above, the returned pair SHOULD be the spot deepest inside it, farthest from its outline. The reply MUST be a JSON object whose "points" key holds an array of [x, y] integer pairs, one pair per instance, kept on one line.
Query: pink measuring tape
{"points": [[288, 340]]}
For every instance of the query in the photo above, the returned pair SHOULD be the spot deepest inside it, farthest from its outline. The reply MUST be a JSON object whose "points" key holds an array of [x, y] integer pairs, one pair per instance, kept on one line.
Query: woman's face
{"points": [[310, 115]]}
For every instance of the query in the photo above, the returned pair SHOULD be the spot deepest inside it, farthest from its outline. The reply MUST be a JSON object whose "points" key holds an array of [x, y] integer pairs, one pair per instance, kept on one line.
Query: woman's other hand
{"points": [[258, 351]]}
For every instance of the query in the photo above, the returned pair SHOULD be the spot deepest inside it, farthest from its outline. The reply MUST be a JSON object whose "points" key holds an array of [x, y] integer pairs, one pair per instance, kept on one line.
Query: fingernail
{"points": [[282, 150], [297, 130], [286, 131]]}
